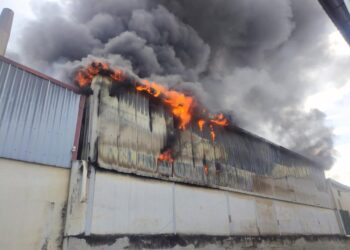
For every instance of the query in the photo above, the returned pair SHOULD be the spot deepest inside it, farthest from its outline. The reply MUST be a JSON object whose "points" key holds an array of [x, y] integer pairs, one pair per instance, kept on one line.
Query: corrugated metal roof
{"points": [[38, 117]]}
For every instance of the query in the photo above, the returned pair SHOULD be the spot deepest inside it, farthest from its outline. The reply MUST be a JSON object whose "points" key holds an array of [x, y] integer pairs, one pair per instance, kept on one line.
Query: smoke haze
{"points": [[258, 60]]}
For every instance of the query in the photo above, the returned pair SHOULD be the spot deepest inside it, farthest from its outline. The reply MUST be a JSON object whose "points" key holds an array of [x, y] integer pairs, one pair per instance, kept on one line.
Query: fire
{"points": [[206, 169], [166, 156], [151, 88], [117, 75], [182, 106], [212, 133], [220, 120], [201, 123], [84, 76]]}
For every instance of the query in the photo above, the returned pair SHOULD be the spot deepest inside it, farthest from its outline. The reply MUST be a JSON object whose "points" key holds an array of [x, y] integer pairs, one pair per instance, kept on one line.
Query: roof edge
{"points": [[280, 147], [74, 88], [338, 184]]}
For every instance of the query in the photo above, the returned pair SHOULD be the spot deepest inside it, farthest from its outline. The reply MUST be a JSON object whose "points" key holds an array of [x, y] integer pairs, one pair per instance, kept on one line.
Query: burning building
{"points": [[125, 162], [141, 127]]}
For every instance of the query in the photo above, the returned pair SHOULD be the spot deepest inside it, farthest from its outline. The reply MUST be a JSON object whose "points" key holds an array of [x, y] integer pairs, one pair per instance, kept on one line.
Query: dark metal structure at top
{"points": [[339, 12]]}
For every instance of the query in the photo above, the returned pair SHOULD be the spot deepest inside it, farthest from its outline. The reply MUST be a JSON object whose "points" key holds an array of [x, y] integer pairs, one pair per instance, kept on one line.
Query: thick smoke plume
{"points": [[251, 58]]}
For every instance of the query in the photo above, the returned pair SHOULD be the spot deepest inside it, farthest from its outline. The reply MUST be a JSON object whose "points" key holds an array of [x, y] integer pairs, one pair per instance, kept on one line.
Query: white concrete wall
{"points": [[32, 201], [342, 198], [121, 204]]}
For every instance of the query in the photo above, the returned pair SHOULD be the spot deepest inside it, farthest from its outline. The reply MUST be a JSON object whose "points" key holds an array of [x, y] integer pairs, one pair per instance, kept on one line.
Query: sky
{"points": [[335, 102], [332, 99]]}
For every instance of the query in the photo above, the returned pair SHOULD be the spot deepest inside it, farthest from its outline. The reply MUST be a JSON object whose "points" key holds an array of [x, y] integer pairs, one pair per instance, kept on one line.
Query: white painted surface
{"points": [[266, 216], [287, 218], [76, 210], [243, 215], [32, 198], [200, 211], [342, 197], [131, 205], [311, 225], [333, 225], [127, 205]]}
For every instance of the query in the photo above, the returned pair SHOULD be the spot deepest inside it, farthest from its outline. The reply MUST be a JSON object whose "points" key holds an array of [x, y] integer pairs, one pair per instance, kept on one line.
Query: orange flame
{"points": [[117, 75], [212, 133], [166, 156], [220, 120], [206, 169], [201, 123], [181, 105], [151, 88], [84, 76]]}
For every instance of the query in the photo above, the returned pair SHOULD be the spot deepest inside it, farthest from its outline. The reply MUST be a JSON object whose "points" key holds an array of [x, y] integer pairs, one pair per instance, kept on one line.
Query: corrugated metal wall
{"points": [[37, 117]]}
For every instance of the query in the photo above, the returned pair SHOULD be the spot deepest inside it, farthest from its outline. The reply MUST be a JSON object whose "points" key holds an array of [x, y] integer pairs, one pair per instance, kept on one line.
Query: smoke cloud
{"points": [[258, 60]]}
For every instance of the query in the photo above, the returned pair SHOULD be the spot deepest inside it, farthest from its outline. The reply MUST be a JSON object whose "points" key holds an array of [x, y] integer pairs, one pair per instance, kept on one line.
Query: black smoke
{"points": [[250, 58]]}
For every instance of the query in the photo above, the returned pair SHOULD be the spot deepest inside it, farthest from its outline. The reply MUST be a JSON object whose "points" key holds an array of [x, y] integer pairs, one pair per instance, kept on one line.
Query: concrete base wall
{"points": [[32, 205], [119, 204], [107, 210], [207, 243]]}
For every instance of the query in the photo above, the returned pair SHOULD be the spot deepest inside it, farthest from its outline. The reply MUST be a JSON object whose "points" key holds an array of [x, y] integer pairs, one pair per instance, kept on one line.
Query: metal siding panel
{"points": [[243, 215], [132, 131], [37, 118], [72, 111], [12, 146], [126, 205], [200, 211], [346, 220]]}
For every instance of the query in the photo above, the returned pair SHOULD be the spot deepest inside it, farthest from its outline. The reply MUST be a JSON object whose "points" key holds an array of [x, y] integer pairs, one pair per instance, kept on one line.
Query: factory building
{"points": [[339, 13], [82, 170]]}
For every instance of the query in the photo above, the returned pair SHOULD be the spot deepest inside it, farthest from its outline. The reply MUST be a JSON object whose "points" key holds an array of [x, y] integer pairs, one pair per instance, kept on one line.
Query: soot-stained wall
{"points": [[126, 131]]}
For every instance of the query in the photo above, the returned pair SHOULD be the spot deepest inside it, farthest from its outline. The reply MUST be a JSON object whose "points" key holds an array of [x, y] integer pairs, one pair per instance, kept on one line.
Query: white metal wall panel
{"points": [[128, 205], [125, 205], [242, 215], [287, 217], [266, 217], [201, 211], [37, 117]]}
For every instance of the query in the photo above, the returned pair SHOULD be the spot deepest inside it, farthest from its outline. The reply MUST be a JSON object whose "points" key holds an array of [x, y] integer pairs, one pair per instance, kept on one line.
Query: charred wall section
{"points": [[126, 131], [208, 242]]}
